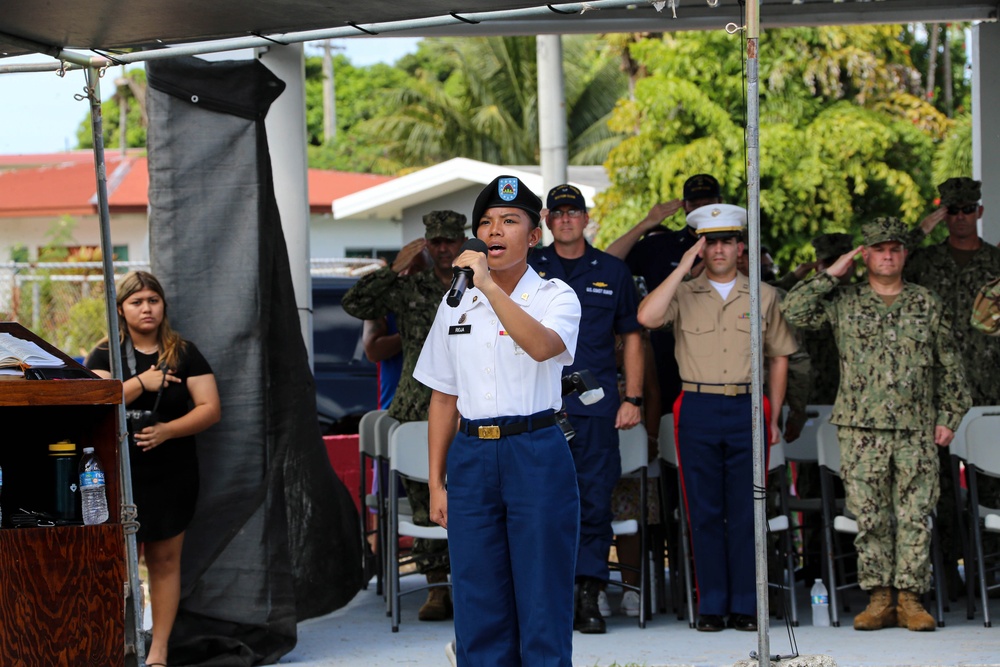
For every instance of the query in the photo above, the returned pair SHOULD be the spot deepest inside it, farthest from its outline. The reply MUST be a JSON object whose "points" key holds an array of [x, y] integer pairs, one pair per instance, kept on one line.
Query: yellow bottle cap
{"points": [[62, 447]]}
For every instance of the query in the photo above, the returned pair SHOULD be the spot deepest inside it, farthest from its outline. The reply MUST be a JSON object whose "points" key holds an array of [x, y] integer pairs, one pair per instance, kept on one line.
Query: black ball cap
{"points": [[506, 191]]}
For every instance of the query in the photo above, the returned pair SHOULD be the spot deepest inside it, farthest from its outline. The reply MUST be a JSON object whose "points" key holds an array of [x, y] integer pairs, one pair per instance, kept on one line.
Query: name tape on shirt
{"points": [[459, 329], [600, 288]]}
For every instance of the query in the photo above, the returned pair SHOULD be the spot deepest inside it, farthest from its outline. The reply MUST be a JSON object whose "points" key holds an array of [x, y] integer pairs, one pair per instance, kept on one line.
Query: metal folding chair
{"points": [[782, 523], [958, 458], [383, 424], [407, 459], [681, 568], [635, 461], [982, 451], [367, 501]]}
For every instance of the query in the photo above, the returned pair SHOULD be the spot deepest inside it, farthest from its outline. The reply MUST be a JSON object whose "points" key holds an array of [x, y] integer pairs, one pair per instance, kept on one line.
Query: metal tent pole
{"points": [[753, 227], [132, 631]]}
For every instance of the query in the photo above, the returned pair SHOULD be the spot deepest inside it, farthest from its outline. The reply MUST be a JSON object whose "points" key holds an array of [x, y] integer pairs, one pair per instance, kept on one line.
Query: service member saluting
{"points": [[711, 322], [511, 507], [902, 391]]}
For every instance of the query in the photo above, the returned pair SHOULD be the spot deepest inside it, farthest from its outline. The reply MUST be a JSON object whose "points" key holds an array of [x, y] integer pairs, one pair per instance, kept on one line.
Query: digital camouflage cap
{"points": [[960, 190], [444, 225], [831, 246], [881, 230]]}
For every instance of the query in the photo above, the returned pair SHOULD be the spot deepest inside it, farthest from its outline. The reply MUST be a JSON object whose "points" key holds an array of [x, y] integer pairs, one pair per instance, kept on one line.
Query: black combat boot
{"points": [[588, 618]]}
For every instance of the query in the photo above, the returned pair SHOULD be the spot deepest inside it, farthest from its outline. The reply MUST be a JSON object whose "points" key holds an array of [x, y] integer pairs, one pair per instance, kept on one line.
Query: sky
{"points": [[38, 113]]}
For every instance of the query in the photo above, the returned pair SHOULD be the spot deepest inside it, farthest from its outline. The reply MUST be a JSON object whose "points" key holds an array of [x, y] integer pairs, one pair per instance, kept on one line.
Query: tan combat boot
{"points": [[880, 612], [438, 606], [911, 613]]}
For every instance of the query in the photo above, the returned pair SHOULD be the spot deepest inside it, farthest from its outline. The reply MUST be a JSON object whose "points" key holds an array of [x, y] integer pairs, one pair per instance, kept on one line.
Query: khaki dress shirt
{"points": [[713, 336]]}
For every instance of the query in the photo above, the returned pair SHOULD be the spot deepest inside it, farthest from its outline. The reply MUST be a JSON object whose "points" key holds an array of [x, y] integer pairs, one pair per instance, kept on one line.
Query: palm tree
{"points": [[486, 107]]}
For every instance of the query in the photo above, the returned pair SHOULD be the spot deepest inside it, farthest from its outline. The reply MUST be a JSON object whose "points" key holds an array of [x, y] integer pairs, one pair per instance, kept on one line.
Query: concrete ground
{"points": [[360, 635]]}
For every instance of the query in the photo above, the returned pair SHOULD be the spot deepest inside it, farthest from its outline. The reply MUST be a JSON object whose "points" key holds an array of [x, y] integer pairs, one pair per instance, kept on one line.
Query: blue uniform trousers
{"points": [[598, 468], [513, 528], [715, 449]]}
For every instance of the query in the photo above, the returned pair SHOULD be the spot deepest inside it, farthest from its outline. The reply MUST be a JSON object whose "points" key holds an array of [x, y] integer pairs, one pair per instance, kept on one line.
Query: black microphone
{"points": [[463, 276]]}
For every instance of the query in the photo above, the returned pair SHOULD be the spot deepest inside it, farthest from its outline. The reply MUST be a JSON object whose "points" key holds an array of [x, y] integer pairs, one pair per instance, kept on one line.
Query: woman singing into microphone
{"points": [[511, 503]]}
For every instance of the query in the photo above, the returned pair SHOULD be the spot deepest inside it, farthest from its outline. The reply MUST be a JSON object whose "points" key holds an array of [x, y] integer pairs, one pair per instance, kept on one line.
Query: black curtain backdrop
{"points": [[275, 537]]}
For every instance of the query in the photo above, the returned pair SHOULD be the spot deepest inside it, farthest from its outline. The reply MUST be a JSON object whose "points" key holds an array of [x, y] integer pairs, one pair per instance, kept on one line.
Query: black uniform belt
{"points": [[486, 431], [721, 389]]}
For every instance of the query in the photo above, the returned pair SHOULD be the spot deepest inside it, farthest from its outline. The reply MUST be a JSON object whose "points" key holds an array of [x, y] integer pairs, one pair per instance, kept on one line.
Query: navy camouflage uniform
{"points": [[900, 376]]}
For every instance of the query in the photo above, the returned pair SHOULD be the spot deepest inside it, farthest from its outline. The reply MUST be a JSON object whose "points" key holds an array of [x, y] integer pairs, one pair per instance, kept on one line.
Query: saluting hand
{"points": [[931, 221], [406, 256], [659, 213], [845, 263], [692, 255]]}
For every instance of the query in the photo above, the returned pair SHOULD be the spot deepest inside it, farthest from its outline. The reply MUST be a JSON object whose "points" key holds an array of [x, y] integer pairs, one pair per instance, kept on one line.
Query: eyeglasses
{"points": [[967, 209], [572, 212]]}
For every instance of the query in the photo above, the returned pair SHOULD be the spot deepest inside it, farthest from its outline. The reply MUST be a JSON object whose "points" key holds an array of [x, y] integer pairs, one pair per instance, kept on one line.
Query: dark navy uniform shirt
{"points": [[609, 304]]}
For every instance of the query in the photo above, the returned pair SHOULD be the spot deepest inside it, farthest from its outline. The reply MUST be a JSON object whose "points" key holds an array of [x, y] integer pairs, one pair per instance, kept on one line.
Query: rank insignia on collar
{"points": [[475, 298], [524, 297], [461, 320], [541, 274]]}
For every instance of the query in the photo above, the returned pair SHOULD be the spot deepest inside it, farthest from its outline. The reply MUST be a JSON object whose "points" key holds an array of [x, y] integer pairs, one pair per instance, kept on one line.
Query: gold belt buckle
{"points": [[489, 432], [729, 389]]}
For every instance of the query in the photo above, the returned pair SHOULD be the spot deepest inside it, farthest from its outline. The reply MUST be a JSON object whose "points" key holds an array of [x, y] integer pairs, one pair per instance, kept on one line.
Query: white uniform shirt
{"points": [[468, 354]]}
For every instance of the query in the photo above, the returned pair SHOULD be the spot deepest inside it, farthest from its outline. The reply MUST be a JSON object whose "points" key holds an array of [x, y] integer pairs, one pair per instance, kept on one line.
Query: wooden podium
{"points": [[62, 588]]}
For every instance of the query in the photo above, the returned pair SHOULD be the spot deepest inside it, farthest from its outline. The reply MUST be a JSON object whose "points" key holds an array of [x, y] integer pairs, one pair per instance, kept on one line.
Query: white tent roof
{"points": [[30, 26]]}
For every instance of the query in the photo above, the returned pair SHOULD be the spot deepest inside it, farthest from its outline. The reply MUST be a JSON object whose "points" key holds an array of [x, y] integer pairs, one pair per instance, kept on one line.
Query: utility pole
{"points": [[552, 131], [932, 28], [946, 79], [121, 83]]}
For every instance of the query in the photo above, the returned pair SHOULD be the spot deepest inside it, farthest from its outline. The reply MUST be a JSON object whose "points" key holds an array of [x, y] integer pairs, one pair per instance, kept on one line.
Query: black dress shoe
{"points": [[710, 623], [743, 622]]}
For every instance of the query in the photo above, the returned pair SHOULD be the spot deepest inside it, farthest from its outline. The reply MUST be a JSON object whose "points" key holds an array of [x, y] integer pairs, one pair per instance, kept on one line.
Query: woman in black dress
{"points": [[169, 377]]}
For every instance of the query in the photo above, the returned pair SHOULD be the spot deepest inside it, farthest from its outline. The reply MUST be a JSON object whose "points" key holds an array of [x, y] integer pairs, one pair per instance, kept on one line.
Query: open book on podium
{"points": [[24, 354]]}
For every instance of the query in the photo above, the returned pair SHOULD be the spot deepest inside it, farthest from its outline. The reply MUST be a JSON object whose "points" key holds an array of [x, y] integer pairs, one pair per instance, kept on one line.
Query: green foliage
{"points": [[358, 92], [954, 157], [85, 325], [844, 134], [135, 128], [477, 98]]}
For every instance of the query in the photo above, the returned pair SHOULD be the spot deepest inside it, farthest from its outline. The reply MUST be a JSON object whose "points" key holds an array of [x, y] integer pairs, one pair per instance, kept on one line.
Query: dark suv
{"points": [[346, 382]]}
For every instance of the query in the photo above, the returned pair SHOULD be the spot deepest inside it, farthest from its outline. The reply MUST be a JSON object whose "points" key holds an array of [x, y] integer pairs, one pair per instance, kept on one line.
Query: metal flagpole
{"points": [[752, 28], [132, 631]]}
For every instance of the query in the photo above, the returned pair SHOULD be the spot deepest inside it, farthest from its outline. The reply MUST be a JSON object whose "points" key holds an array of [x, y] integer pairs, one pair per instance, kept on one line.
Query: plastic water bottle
{"points": [[820, 605], [92, 488]]}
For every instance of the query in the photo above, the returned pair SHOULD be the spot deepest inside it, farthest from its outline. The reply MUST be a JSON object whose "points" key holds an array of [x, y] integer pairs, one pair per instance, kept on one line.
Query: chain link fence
{"points": [[63, 302]]}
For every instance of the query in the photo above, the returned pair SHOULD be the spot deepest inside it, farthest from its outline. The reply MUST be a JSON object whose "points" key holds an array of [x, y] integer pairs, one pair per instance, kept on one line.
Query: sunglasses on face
{"points": [[967, 209]]}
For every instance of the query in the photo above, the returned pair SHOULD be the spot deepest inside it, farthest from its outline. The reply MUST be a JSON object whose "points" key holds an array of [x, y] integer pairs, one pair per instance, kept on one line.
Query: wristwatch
{"points": [[634, 400]]}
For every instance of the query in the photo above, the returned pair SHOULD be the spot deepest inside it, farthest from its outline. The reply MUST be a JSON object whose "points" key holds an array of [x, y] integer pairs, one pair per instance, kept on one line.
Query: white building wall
{"points": [[461, 201], [129, 229], [331, 238]]}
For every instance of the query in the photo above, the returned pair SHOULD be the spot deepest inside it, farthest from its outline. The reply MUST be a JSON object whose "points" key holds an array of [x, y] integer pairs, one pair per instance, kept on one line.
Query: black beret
{"points": [[506, 191]]}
